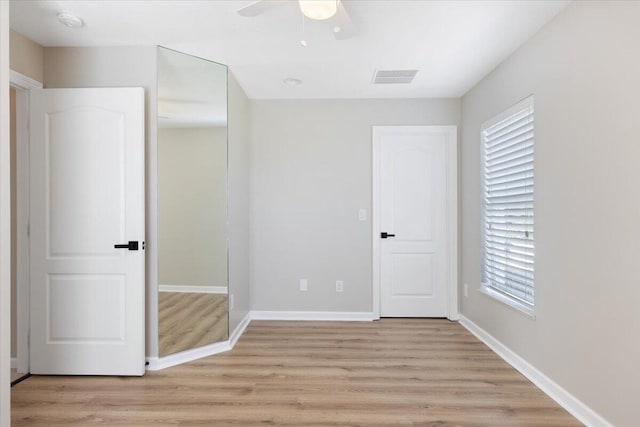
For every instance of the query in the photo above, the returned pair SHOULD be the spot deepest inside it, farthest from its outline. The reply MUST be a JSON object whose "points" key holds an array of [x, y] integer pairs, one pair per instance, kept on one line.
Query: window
{"points": [[507, 206]]}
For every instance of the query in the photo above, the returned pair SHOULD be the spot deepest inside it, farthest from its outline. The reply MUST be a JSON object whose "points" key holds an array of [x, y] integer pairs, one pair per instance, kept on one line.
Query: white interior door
{"points": [[87, 195], [413, 226]]}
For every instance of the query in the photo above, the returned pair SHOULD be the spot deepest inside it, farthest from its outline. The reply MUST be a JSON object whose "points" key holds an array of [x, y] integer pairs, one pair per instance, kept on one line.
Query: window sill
{"points": [[509, 302]]}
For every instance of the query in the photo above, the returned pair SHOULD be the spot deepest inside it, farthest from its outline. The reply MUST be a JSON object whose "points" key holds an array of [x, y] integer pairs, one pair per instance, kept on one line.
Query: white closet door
{"points": [[413, 208]]}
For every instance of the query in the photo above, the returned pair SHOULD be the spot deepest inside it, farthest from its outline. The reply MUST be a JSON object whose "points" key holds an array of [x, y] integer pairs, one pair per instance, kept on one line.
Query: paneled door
{"points": [[87, 261], [414, 219]]}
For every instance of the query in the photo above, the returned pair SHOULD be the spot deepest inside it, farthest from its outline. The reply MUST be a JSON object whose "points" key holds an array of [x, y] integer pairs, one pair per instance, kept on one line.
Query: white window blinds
{"points": [[508, 178]]}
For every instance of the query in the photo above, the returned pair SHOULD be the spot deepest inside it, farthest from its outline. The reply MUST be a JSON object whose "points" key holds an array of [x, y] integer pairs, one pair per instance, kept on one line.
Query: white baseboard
{"points": [[565, 399], [237, 333], [14, 363], [343, 316], [152, 363], [157, 363], [196, 289]]}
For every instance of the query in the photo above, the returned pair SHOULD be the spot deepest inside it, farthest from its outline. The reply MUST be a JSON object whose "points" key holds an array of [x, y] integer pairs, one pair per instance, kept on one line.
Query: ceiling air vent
{"points": [[393, 76]]}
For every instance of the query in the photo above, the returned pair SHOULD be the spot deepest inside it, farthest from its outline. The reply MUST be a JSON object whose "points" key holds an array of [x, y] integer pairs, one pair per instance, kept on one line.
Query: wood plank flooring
{"points": [[394, 372], [189, 320]]}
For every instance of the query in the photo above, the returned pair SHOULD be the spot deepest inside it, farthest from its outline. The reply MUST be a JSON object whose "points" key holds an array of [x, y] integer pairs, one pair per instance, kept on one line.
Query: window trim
{"points": [[485, 289], [511, 302]]}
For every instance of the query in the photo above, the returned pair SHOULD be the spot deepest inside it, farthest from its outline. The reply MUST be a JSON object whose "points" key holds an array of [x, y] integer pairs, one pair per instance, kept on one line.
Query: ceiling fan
{"points": [[332, 11]]}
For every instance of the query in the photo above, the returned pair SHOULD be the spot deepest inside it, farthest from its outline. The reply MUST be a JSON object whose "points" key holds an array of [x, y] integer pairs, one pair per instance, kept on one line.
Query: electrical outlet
{"points": [[339, 286], [466, 290], [231, 302], [304, 286]]}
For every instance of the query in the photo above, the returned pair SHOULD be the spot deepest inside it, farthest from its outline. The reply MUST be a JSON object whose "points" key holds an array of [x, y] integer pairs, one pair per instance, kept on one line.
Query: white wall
{"points": [[239, 121], [310, 173], [584, 69], [5, 226], [120, 67], [14, 256], [192, 206]]}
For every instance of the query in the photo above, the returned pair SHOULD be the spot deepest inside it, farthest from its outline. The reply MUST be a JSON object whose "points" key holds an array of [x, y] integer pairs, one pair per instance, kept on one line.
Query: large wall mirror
{"points": [[192, 202]]}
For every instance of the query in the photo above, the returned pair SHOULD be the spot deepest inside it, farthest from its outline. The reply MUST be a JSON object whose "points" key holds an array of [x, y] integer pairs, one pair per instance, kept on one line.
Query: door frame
{"points": [[5, 216], [23, 85], [451, 215]]}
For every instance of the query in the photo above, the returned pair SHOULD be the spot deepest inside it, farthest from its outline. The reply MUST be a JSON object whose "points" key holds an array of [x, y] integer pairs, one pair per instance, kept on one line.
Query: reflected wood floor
{"points": [[394, 372], [15, 375], [188, 320]]}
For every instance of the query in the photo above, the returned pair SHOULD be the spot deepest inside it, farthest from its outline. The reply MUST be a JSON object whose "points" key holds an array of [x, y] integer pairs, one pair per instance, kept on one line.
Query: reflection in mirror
{"points": [[192, 202]]}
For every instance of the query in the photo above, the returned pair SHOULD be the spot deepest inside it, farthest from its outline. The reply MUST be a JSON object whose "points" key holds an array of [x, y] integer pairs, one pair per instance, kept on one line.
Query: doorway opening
{"points": [[20, 86]]}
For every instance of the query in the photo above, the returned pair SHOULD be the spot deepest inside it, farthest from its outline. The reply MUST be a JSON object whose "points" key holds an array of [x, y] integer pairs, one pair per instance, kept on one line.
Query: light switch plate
{"points": [[303, 285], [362, 214]]}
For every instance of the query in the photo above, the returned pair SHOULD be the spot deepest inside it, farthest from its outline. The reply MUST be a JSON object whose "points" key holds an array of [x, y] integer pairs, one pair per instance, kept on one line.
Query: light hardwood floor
{"points": [[394, 372], [188, 320]]}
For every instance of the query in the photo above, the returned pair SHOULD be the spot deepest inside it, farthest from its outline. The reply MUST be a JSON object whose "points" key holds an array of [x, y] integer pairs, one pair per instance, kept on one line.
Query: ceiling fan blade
{"points": [[342, 20], [258, 7]]}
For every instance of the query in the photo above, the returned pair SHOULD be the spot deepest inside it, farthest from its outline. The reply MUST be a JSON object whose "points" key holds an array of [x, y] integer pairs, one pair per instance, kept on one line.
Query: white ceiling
{"points": [[453, 44]]}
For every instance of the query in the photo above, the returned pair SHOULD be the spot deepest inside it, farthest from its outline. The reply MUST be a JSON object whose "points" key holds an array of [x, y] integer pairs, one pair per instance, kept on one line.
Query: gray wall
{"points": [[120, 67], [239, 121], [584, 69], [192, 206], [26, 56], [310, 173]]}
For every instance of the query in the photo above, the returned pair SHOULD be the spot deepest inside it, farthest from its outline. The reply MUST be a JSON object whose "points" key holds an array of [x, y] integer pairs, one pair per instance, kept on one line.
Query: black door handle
{"points": [[384, 235], [132, 245]]}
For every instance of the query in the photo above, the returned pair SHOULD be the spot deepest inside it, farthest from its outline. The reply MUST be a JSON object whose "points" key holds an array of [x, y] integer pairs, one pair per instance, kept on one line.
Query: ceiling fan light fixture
{"points": [[318, 9]]}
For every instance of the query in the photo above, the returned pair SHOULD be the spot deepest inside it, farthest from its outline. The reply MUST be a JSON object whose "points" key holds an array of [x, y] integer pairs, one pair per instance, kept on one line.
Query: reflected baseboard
{"points": [[196, 289], [157, 363]]}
